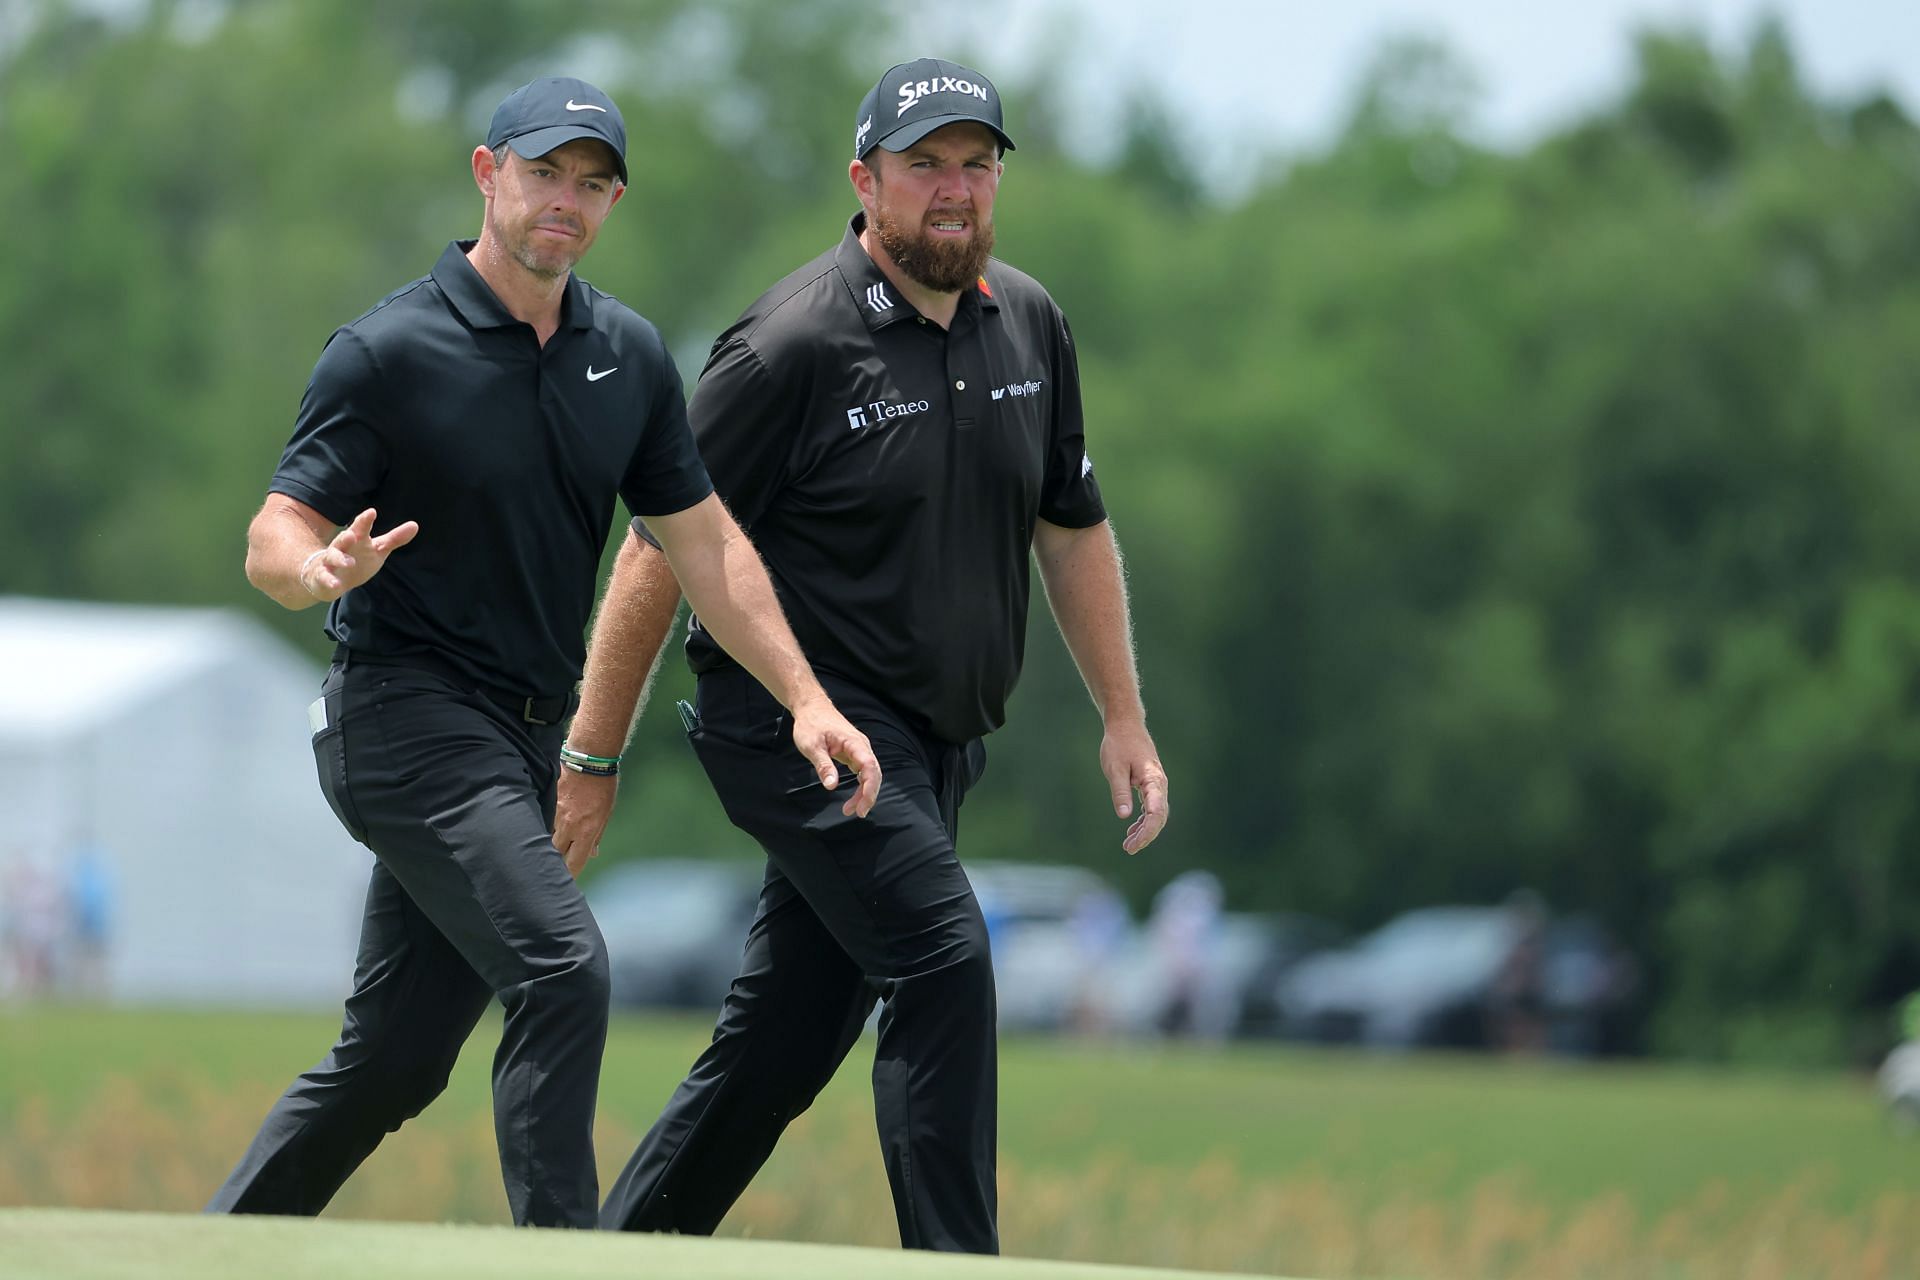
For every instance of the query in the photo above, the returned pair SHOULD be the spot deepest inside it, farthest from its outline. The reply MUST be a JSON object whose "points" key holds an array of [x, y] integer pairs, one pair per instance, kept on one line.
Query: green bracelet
{"points": [[581, 757]]}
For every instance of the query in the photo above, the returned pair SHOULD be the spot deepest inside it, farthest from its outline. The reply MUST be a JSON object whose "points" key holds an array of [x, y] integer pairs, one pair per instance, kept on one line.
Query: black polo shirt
{"points": [[891, 473], [439, 406]]}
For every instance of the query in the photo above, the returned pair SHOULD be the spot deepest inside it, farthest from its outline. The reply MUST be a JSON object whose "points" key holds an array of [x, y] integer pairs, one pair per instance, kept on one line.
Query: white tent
{"points": [[174, 743]]}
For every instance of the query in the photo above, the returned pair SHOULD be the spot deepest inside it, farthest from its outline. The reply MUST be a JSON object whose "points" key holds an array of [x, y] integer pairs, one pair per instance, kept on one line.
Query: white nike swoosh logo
{"points": [[582, 106], [595, 377]]}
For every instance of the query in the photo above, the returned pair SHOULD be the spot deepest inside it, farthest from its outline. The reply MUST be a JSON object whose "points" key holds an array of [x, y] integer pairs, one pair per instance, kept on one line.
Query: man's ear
{"points": [[863, 179], [484, 170]]}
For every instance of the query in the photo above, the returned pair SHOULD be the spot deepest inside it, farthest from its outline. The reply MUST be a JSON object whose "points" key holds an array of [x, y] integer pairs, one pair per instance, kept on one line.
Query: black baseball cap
{"points": [[915, 98], [547, 114]]}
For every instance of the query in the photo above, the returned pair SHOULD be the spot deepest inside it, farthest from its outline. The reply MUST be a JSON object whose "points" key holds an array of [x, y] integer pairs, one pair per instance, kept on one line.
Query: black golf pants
{"points": [[469, 901], [852, 910]]}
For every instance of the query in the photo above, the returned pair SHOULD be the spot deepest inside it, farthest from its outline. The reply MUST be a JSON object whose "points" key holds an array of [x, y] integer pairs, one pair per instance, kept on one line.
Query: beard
{"points": [[945, 266]]}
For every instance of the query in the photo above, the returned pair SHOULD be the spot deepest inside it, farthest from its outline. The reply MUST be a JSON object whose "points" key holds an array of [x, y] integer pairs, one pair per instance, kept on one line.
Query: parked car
{"points": [[1462, 977], [675, 928], [1053, 929], [1237, 966], [1899, 1075], [1588, 989], [1256, 952]]}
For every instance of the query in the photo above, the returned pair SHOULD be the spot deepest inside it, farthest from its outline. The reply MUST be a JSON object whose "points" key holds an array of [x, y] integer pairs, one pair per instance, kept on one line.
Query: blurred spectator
{"points": [[1100, 927], [90, 892], [1588, 985], [1180, 930], [35, 920], [1900, 1073], [1518, 999]]}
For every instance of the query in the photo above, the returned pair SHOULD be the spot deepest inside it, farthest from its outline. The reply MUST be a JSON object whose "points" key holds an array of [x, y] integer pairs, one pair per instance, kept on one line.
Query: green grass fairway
{"points": [[1656, 1133], [1255, 1159], [73, 1244]]}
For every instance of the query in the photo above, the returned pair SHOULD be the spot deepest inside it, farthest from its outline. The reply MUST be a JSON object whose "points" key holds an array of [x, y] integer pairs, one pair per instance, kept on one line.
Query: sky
{"points": [[1281, 74]]}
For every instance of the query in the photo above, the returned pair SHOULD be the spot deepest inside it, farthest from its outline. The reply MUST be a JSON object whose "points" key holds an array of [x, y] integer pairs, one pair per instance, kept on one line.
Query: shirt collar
{"points": [[478, 305], [876, 297]]}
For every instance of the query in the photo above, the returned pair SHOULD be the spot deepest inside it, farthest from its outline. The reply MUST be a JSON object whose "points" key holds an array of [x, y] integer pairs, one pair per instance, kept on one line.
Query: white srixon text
{"points": [[913, 91]]}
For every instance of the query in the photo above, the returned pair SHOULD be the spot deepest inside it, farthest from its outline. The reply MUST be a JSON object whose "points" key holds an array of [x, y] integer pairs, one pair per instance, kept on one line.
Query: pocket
{"points": [[330, 761], [737, 712], [741, 733], [770, 742], [802, 778]]}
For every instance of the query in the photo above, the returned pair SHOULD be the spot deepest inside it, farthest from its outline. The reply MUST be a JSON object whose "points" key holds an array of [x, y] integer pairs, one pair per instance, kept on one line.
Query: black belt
{"points": [[549, 709]]}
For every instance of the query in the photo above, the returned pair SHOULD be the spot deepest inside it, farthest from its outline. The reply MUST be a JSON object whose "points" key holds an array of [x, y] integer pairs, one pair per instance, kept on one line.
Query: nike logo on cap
{"points": [[582, 106], [595, 377]]}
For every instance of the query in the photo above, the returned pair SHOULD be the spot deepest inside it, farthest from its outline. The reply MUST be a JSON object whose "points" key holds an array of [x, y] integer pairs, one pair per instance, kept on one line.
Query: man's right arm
{"points": [[295, 556], [623, 656]]}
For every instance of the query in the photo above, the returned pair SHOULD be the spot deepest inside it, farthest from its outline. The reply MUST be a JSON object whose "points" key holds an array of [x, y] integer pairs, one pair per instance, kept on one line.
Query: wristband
{"points": [[591, 770], [581, 757], [306, 565], [592, 766]]}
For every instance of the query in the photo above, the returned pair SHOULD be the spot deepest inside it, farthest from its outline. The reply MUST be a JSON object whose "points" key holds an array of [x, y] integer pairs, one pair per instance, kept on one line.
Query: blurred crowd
{"points": [[56, 919]]}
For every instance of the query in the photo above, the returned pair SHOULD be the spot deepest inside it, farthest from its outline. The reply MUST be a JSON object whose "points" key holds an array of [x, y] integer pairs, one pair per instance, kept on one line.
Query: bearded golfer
{"points": [[898, 426]]}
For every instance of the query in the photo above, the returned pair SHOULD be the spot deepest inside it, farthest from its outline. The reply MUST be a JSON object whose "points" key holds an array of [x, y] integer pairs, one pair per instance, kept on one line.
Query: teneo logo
{"points": [[860, 135], [1017, 389], [878, 411], [915, 90]]}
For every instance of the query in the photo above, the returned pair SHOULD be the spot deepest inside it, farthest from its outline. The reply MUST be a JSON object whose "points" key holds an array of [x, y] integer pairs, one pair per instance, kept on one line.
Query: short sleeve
{"points": [[336, 458], [744, 427], [665, 474], [1070, 493]]}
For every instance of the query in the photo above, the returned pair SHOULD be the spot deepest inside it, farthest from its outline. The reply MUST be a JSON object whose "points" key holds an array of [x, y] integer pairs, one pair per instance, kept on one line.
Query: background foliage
{"points": [[1495, 519]]}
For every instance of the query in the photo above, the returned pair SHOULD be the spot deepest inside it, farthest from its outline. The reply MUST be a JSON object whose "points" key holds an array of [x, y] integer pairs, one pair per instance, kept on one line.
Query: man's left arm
{"points": [[1081, 570]]}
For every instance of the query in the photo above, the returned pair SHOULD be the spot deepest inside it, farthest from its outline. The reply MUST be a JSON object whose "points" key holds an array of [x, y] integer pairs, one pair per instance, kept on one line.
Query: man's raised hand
{"points": [[353, 556]]}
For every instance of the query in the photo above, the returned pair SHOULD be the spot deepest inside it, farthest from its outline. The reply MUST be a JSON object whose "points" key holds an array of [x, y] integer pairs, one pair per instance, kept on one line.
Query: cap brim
{"points": [[906, 135], [540, 142]]}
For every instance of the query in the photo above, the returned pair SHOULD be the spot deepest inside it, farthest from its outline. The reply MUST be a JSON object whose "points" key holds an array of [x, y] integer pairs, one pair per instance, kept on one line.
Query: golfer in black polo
{"points": [[448, 489], [898, 425]]}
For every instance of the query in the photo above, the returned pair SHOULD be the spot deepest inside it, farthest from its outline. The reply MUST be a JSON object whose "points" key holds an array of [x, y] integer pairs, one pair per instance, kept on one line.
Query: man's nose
{"points": [[952, 187]]}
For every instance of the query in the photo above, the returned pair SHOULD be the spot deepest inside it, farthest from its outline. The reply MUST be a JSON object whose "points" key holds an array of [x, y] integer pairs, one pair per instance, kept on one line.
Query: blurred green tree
{"points": [[1495, 519]]}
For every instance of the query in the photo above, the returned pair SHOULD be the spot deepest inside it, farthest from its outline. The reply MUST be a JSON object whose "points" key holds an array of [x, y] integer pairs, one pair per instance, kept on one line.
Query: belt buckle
{"points": [[526, 712]]}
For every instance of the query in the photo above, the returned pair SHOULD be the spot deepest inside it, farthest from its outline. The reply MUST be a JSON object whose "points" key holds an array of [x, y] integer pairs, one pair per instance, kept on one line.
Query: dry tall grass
{"points": [[165, 1145]]}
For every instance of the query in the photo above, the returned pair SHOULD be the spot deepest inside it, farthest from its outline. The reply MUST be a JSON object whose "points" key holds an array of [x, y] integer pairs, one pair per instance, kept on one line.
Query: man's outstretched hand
{"points": [[353, 556]]}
